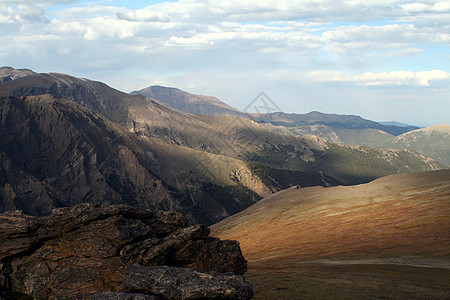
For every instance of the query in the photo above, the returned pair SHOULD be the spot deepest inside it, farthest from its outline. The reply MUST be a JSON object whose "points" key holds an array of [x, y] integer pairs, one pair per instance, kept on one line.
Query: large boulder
{"points": [[84, 250]]}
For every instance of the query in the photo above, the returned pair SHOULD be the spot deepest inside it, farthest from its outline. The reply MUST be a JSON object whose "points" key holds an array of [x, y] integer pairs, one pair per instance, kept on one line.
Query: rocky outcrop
{"points": [[123, 296], [9, 74], [87, 250]]}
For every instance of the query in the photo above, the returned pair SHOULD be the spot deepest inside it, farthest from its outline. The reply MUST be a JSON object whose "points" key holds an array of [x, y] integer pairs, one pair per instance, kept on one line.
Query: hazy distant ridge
{"points": [[211, 106], [190, 103]]}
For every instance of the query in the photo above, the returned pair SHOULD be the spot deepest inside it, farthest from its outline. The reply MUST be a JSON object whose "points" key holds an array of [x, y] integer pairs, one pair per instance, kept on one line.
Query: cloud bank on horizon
{"points": [[381, 59]]}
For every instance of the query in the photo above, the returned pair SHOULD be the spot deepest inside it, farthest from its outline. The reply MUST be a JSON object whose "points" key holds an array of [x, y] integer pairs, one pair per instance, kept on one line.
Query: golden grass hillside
{"points": [[397, 215], [388, 239]]}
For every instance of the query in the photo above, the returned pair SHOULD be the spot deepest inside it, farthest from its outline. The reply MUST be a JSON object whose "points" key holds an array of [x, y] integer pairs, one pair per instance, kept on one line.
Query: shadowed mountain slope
{"points": [[58, 153], [433, 141], [399, 124], [136, 113], [344, 129], [229, 136], [91, 94]]}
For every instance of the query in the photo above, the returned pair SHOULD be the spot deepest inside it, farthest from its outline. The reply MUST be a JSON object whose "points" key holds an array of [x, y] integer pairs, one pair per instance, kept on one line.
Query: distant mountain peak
{"points": [[394, 123], [190, 103], [443, 128], [431, 141]]}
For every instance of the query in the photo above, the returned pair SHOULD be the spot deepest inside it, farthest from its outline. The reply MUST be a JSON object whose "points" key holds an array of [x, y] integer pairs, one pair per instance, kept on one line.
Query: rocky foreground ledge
{"points": [[116, 252]]}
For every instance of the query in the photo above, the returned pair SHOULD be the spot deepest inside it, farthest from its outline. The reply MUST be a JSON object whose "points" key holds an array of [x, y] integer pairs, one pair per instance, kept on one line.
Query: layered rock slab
{"points": [[84, 250]]}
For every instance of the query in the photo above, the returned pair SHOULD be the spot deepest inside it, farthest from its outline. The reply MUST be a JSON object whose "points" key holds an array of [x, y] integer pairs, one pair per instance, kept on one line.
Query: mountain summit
{"points": [[433, 141], [189, 103]]}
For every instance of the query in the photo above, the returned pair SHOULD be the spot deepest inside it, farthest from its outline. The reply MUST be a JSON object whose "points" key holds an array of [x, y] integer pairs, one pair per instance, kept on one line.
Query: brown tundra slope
{"points": [[389, 238]]}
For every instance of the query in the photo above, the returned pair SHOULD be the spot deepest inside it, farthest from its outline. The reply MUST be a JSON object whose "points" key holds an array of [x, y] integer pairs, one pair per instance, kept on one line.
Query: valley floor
{"points": [[288, 279]]}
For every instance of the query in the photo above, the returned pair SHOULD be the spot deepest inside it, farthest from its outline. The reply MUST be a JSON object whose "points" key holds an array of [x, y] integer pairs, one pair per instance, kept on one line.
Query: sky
{"points": [[385, 60]]}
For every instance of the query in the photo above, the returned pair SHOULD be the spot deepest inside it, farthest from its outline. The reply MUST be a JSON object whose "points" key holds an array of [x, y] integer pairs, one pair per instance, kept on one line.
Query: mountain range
{"points": [[67, 140], [211, 106], [344, 129]]}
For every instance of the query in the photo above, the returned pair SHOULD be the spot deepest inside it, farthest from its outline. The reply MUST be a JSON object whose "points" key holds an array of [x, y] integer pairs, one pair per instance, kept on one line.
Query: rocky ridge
{"points": [[9, 74], [115, 252]]}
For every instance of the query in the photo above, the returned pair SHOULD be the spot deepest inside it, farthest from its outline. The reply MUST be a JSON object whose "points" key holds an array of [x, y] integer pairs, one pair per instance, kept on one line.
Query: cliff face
{"points": [[56, 153], [86, 250]]}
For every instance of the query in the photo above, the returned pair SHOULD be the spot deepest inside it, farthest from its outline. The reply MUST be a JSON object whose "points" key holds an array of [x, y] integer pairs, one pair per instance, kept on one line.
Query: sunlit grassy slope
{"points": [[389, 238], [397, 215], [433, 141]]}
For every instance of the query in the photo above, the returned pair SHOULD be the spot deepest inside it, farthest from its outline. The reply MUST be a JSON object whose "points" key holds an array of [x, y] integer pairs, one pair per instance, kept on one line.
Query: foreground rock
{"points": [[84, 250], [180, 283]]}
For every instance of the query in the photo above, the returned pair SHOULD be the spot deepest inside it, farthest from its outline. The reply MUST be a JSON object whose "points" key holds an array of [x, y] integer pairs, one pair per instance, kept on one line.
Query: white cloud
{"points": [[252, 10], [103, 27], [391, 33], [144, 15], [412, 52], [203, 24], [422, 78], [367, 45], [416, 7], [195, 23], [21, 14], [401, 78], [39, 2]]}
